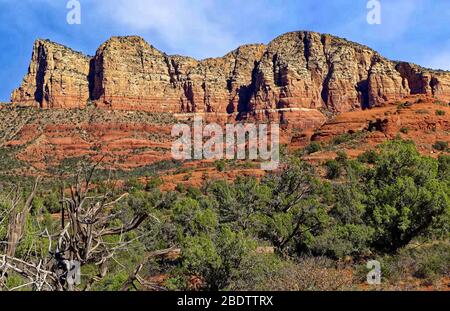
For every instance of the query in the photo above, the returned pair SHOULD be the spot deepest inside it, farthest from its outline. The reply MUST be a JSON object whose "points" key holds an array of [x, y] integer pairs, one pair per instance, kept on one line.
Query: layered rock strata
{"points": [[295, 75]]}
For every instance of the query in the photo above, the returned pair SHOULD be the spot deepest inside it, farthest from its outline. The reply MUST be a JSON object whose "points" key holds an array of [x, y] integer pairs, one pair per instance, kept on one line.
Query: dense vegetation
{"points": [[292, 230]]}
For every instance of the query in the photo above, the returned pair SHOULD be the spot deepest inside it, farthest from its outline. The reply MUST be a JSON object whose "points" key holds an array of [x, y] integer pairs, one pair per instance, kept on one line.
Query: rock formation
{"points": [[58, 77], [294, 76], [132, 75]]}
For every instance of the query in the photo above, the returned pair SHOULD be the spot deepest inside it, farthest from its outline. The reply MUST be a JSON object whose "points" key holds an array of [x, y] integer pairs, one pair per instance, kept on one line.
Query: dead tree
{"points": [[35, 272], [18, 218], [88, 223], [87, 219], [37, 276]]}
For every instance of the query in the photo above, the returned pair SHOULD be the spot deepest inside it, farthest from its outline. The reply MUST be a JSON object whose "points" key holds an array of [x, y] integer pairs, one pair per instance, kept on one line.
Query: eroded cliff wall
{"points": [[293, 75]]}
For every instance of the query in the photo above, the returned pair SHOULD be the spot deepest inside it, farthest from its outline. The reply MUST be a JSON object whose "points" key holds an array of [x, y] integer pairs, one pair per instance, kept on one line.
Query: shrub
{"points": [[433, 262], [444, 168], [215, 258], [192, 218], [294, 212], [52, 202], [369, 157], [343, 240], [112, 281], [341, 156], [306, 274], [422, 111], [154, 183], [133, 184], [37, 205], [14, 280], [404, 130], [334, 169], [427, 262], [313, 147], [341, 139], [404, 197], [180, 188], [440, 112], [239, 202], [439, 103], [187, 177], [220, 165], [441, 145], [194, 193]]}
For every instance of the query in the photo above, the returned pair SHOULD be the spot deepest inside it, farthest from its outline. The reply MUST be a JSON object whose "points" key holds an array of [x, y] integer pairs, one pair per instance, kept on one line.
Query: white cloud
{"points": [[179, 23]]}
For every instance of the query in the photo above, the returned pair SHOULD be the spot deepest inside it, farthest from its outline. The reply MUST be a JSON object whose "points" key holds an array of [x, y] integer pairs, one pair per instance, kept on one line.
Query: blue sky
{"points": [[410, 30]]}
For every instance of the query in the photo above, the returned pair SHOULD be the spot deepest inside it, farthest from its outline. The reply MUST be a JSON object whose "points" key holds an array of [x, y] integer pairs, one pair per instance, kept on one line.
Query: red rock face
{"points": [[132, 75], [419, 118], [295, 71], [421, 81], [57, 78], [309, 70], [120, 145]]}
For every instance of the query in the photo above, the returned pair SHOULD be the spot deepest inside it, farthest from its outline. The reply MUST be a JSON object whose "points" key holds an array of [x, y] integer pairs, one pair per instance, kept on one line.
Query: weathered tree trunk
{"points": [[18, 219]]}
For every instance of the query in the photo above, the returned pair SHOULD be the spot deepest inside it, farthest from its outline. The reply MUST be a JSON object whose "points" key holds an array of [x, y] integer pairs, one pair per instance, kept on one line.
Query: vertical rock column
{"points": [[57, 77]]}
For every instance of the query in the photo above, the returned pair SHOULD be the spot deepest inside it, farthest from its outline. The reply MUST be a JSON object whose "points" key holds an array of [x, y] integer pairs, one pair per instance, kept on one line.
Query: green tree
{"points": [[334, 169], [216, 257], [240, 201], [444, 168], [193, 219], [295, 212], [404, 196], [313, 147], [346, 233]]}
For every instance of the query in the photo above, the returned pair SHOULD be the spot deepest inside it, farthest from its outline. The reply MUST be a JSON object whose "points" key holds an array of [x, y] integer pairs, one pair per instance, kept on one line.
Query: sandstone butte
{"points": [[300, 77], [317, 86]]}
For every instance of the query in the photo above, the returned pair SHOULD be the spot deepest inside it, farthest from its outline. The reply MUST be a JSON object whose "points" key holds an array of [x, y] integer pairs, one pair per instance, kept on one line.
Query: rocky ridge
{"points": [[297, 76]]}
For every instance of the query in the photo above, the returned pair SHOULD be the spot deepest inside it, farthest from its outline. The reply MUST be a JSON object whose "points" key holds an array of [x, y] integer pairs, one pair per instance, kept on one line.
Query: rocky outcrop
{"points": [[57, 77], [310, 70], [293, 73], [419, 118], [423, 81], [385, 84], [131, 74]]}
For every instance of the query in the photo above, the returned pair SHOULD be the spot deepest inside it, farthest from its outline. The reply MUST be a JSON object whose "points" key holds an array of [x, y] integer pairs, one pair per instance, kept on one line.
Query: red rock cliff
{"points": [[298, 73], [57, 77]]}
